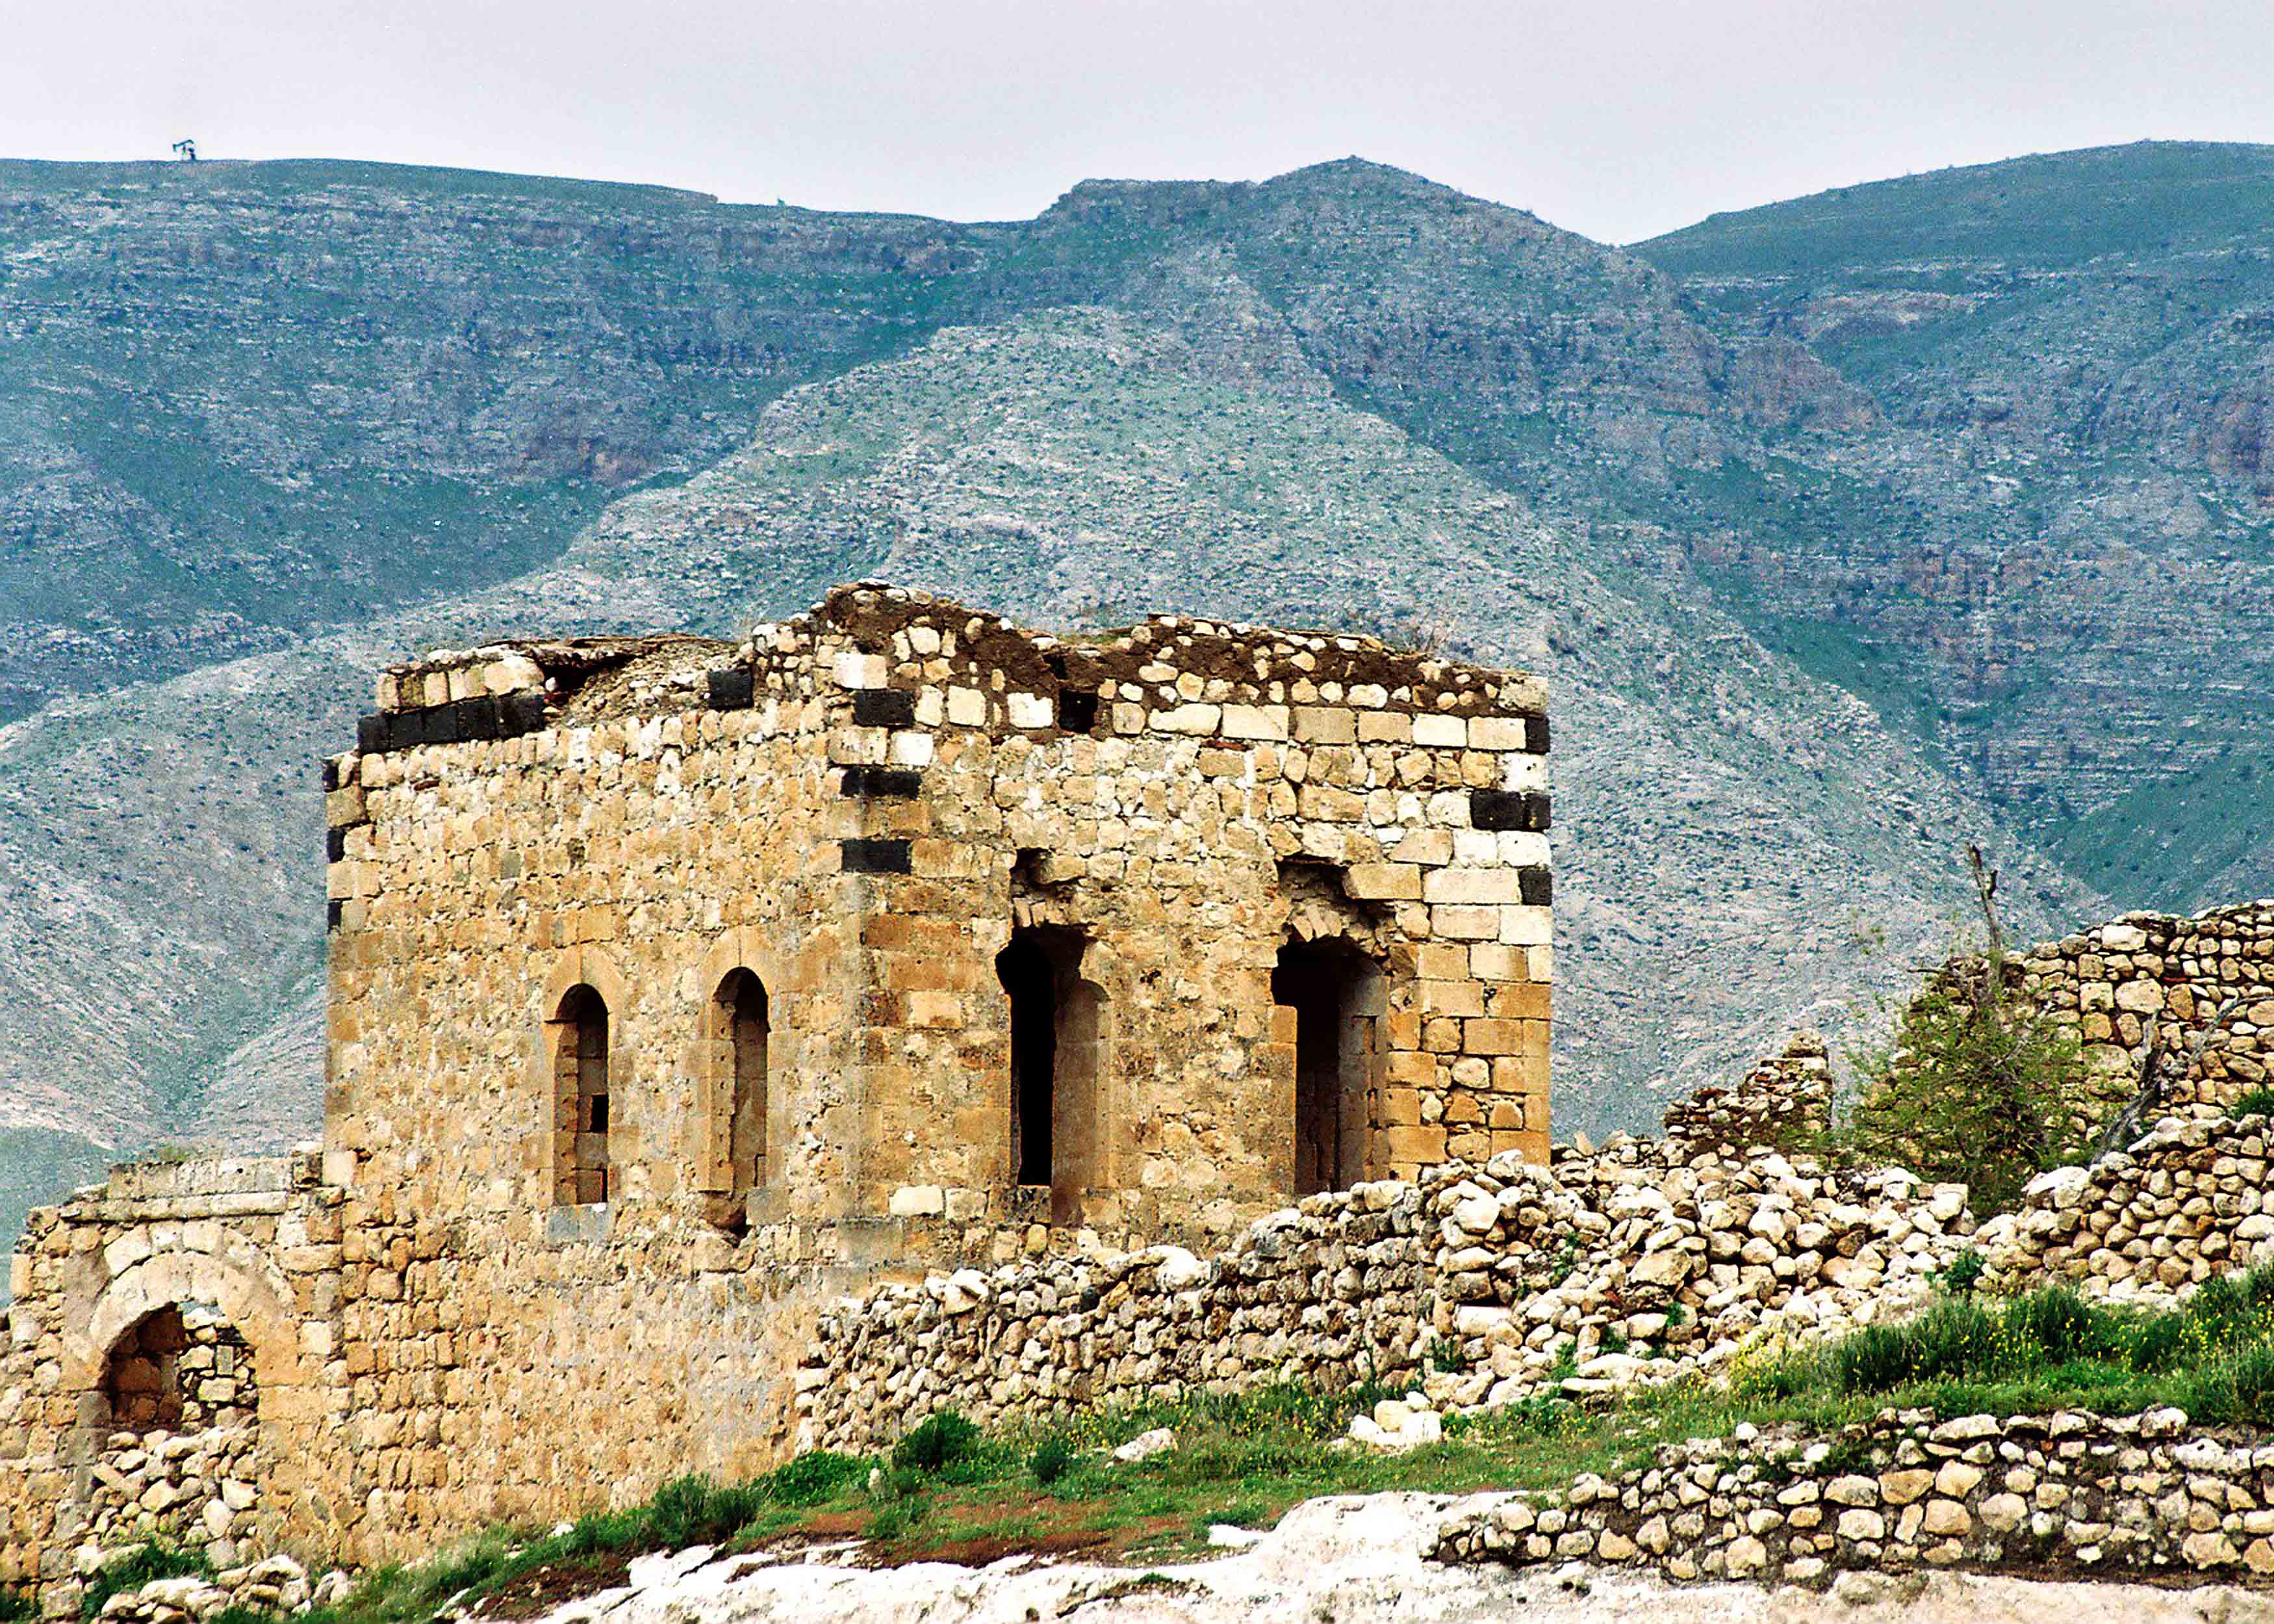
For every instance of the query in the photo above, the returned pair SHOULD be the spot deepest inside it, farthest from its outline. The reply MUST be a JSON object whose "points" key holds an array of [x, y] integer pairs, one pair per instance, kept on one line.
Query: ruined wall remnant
{"points": [[2157, 978], [1783, 1103], [2073, 1494]]}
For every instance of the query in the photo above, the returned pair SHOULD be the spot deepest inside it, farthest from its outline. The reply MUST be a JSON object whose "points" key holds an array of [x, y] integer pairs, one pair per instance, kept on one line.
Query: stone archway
{"points": [[218, 1439]]}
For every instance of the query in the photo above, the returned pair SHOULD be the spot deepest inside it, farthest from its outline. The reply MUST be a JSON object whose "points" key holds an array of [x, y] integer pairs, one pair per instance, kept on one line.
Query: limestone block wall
{"points": [[2185, 1202], [247, 1252], [2081, 1495]]}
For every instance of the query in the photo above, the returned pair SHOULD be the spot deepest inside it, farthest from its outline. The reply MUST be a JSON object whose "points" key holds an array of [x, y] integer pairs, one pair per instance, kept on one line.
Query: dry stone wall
{"points": [[2152, 973], [1330, 1294], [1480, 1285], [1783, 1103], [197, 1490], [2080, 1494], [2185, 1202]]}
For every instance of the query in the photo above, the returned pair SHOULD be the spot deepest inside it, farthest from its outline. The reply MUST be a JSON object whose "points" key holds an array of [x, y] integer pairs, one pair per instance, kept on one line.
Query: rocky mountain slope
{"points": [[239, 401], [2052, 545], [1815, 610]]}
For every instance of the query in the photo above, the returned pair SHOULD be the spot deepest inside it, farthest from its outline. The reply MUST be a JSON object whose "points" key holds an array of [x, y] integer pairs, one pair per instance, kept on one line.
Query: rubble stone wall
{"points": [[195, 1489], [1479, 1285], [1330, 1294], [2158, 972], [2187, 1201], [2079, 1495]]}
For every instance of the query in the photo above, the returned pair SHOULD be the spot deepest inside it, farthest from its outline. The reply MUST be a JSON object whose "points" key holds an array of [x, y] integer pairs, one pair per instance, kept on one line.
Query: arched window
{"points": [[1057, 1043], [580, 1099], [740, 1028], [1335, 991]]}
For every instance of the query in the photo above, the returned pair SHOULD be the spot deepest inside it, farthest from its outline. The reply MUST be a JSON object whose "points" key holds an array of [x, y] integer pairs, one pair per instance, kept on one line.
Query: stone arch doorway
{"points": [[245, 1447], [171, 1435], [1336, 994]]}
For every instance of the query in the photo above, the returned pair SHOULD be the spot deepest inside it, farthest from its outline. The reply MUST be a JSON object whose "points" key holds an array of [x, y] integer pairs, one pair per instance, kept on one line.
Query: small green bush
{"points": [[695, 1511], [17, 1605], [1050, 1461], [2258, 1102], [1965, 1272], [812, 1479], [1979, 1093], [936, 1443], [2060, 1325]]}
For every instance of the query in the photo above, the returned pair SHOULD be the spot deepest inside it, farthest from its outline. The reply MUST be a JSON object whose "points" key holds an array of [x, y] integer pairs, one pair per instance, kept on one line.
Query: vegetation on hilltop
{"points": [[2054, 208]]}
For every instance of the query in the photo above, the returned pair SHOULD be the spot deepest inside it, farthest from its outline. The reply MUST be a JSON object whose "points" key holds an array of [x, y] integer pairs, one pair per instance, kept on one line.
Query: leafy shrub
{"points": [[812, 1479], [938, 1441], [1972, 1092], [695, 1511], [17, 1605], [1965, 1272], [2258, 1102], [2060, 1324], [1051, 1460]]}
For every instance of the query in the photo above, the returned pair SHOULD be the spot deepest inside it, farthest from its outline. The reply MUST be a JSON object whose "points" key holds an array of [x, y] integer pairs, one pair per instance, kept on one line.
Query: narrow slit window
{"points": [[740, 1031], [580, 1099]]}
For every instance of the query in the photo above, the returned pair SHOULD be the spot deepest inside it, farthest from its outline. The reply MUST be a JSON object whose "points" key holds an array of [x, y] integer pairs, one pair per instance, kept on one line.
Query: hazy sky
{"points": [[1620, 120]]}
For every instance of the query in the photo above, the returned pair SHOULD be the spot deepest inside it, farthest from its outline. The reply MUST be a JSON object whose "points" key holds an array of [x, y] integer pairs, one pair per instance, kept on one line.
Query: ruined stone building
{"points": [[680, 988]]}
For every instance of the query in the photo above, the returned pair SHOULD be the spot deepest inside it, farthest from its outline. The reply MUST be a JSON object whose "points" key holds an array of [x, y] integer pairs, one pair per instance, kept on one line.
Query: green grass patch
{"points": [[2052, 1349]]}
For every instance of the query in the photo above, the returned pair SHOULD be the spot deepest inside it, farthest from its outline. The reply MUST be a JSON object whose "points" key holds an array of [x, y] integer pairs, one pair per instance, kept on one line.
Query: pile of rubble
{"points": [[198, 1489], [276, 1584], [1645, 1261]]}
